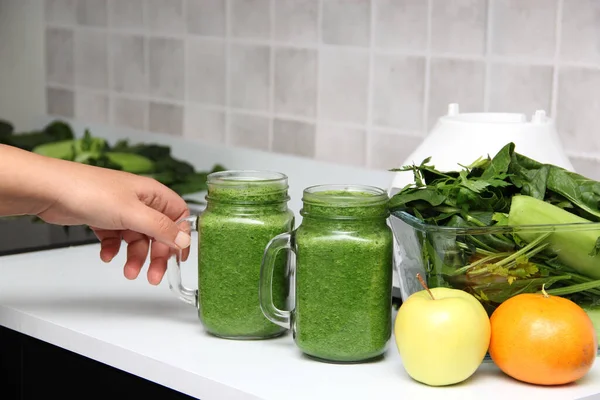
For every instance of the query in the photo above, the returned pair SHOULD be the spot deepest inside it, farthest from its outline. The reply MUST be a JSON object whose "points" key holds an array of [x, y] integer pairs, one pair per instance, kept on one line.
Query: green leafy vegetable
{"points": [[506, 191], [576, 249], [6, 129], [53, 132], [593, 311], [152, 160]]}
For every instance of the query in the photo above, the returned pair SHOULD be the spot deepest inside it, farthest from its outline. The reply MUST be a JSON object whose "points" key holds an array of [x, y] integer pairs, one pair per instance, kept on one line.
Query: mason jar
{"points": [[244, 210], [343, 274]]}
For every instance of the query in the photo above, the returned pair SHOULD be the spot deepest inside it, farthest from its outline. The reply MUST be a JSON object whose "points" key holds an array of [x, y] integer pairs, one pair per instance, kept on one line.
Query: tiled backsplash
{"points": [[349, 81]]}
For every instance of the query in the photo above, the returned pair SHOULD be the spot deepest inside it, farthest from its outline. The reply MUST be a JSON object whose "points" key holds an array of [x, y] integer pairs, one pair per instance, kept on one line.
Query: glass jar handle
{"points": [[265, 289], [185, 294]]}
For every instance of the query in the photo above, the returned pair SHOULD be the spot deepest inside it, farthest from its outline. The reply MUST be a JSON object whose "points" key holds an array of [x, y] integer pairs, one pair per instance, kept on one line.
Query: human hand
{"points": [[119, 206]]}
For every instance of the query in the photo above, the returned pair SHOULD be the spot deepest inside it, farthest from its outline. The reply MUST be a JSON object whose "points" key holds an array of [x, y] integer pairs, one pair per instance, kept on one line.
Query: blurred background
{"points": [[355, 82]]}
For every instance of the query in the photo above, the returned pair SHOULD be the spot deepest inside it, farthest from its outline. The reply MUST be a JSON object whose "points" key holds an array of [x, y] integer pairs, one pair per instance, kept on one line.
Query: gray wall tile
{"points": [[296, 21], [295, 82], [458, 26], [60, 59], [127, 14], [346, 22], [205, 71], [578, 105], [520, 88], [205, 124], [455, 81], [251, 19], [206, 17], [581, 31], [329, 144], [130, 113], [249, 131], [92, 12], [249, 79], [92, 107], [91, 59], [62, 12], [166, 16], [398, 91], [294, 137], [128, 63], [166, 68], [343, 85], [60, 102], [524, 27], [389, 150], [400, 24], [355, 69], [166, 118]]}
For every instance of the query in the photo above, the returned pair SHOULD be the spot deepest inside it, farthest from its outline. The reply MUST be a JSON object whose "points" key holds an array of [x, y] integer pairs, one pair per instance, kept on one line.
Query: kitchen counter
{"points": [[69, 298]]}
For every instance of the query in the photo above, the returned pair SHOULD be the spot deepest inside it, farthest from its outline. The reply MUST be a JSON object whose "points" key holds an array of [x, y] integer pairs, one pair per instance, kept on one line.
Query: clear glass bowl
{"points": [[482, 261]]}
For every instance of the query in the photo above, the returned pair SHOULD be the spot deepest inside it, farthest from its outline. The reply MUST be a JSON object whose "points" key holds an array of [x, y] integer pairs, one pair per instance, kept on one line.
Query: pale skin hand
{"points": [[118, 206]]}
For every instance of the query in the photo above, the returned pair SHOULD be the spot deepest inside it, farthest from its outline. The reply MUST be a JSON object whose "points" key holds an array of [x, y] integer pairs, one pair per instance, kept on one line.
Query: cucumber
{"points": [[594, 313], [64, 149], [131, 162], [573, 248]]}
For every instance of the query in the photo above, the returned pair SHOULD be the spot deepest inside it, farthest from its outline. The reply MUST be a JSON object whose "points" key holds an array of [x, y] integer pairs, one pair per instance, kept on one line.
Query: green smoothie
{"points": [[343, 275], [243, 213]]}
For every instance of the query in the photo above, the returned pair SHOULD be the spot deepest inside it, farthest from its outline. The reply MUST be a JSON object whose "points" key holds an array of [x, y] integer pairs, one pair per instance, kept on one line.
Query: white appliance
{"points": [[462, 138]]}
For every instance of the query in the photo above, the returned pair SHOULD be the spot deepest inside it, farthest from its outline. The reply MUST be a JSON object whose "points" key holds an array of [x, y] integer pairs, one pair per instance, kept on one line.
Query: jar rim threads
{"points": [[345, 201], [247, 187]]}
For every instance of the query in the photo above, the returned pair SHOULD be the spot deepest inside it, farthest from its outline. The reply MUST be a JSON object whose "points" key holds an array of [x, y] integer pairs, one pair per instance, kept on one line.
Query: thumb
{"points": [[155, 224]]}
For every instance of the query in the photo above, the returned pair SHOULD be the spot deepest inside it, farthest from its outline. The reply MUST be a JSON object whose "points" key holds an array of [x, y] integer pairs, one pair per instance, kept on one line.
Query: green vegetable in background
{"points": [[130, 162], [593, 311], [576, 249], [53, 132], [508, 189], [153, 160], [64, 149], [6, 129]]}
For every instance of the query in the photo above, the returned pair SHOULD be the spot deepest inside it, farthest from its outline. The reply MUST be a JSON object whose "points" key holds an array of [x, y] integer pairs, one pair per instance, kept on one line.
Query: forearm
{"points": [[28, 183]]}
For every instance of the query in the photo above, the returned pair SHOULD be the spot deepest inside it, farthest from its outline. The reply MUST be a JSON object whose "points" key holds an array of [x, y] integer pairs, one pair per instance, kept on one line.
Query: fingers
{"points": [[137, 251], [185, 254], [152, 223], [159, 256], [160, 198], [110, 243]]}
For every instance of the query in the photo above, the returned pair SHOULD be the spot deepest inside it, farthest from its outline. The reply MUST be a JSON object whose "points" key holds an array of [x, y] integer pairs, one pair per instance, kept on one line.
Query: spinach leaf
{"points": [[579, 190], [500, 163], [6, 129], [528, 175], [428, 195]]}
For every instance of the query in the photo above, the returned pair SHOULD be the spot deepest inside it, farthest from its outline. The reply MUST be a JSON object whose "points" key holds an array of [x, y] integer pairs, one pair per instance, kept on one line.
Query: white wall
{"points": [[22, 80]]}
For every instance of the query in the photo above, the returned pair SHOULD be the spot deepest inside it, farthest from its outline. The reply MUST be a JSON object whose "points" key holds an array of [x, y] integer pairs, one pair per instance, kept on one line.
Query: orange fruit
{"points": [[542, 339]]}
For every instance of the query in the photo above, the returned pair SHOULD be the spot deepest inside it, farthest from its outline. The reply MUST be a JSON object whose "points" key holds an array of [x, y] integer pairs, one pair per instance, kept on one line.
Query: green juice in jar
{"points": [[244, 211], [343, 274]]}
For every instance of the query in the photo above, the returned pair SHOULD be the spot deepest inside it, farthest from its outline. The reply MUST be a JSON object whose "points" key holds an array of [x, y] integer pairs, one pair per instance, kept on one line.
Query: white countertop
{"points": [[69, 298]]}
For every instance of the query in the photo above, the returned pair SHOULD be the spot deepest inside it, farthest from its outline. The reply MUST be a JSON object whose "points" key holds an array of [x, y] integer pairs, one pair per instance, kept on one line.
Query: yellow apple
{"points": [[442, 341]]}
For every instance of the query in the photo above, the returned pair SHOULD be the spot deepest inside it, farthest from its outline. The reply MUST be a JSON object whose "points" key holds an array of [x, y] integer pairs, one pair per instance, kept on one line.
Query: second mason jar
{"points": [[343, 274], [245, 209]]}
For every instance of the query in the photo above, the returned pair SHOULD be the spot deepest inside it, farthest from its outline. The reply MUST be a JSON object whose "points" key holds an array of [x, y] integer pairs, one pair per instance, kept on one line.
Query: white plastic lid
{"points": [[454, 115]]}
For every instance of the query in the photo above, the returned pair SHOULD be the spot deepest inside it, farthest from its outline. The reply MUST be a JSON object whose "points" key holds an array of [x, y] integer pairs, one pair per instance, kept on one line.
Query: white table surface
{"points": [[69, 298]]}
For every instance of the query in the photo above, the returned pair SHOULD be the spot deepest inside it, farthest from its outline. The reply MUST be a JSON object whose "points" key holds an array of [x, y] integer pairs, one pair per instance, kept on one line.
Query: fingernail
{"points": [[183, 240]]}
